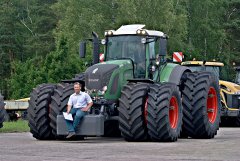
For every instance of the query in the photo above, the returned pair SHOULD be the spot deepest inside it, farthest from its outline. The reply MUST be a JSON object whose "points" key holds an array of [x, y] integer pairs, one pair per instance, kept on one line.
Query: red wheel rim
{"points": [[145, 110], [173, 112], [212, 105]]}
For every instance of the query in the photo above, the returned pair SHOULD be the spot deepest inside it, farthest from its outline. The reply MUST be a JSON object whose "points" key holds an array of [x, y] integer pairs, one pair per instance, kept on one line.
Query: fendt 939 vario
{"points": [[136, 93]]}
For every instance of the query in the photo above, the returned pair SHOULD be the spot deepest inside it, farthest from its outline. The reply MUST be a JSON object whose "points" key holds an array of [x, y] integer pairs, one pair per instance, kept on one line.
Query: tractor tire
{"points": [[38, 112], [111, 128], [58, 105], [164, 112], [132, 102], [201, 105], [2, 113]]}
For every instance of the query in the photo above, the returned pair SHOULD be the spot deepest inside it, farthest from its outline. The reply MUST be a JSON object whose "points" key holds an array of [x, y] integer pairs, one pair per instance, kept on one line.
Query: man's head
{"points": [[77, 87]]}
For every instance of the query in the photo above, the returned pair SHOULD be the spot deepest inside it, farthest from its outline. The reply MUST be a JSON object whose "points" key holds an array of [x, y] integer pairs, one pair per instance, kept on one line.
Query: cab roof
{"points": [[132, 30], [208, 63]]}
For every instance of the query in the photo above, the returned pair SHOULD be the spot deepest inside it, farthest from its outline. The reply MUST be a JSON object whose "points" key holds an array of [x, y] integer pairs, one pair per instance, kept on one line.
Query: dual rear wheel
{"points": [[150, 111], [202, 105]]}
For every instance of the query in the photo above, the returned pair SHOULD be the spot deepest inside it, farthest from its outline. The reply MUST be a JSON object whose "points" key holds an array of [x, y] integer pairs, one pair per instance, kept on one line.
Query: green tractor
{"points": [[136, 93]]}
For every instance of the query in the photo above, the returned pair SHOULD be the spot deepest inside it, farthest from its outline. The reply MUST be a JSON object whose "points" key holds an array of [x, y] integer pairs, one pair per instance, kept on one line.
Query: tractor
{"points": [[229, 91], [136, 93]]}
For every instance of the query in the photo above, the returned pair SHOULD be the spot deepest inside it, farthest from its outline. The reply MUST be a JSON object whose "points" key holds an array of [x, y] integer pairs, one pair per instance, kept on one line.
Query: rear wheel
{"points": [[38, 112], [164, 112], [201, 105], [131, 111]]}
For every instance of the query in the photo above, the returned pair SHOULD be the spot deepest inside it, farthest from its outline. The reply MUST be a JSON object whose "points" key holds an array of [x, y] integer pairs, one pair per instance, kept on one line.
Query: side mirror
{"points": [[82, 49], [163, 47]]}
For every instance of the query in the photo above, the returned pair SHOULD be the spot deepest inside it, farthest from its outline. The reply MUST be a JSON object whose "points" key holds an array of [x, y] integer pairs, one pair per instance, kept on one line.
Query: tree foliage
{"points": [[39, 39]]}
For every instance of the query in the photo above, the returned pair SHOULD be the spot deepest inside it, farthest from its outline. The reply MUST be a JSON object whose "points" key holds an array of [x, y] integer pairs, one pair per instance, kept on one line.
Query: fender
{"points": [[177, 73]]}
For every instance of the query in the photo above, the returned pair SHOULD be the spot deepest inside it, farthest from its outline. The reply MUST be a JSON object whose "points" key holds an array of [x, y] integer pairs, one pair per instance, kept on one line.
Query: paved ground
{"points": [[22, 146]]}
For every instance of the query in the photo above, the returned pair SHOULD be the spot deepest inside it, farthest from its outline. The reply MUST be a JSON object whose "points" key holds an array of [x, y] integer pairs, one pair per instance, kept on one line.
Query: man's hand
{"points": [[85, 109], [68, 109]]}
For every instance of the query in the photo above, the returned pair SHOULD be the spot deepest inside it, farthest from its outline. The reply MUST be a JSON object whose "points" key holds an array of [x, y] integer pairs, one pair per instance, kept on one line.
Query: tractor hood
{"points": [[99, 75]]}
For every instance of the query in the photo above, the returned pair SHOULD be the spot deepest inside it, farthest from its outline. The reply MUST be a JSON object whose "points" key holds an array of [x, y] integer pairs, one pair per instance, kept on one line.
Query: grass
{"points": [[15, 126]]}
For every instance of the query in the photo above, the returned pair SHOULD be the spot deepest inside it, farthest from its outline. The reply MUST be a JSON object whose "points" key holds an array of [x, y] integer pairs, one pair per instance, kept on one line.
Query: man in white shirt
{"points": [[78, 104]]}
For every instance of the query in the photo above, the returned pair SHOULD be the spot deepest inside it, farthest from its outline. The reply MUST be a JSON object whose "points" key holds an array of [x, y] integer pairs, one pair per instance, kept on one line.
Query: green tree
{"points": [[60, 65], [25, 77], [205, 34]]}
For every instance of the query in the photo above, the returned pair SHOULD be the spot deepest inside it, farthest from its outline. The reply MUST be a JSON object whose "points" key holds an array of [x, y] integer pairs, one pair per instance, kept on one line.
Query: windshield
{"points": [[122, 47], [213, 69]]}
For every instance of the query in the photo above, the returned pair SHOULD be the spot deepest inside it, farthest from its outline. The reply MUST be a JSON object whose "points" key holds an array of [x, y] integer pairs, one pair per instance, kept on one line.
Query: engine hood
{"points": [[99, 75]]}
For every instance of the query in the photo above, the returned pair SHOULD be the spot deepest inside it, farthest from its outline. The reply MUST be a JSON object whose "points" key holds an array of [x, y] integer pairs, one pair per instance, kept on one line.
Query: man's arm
{"points": [[69, 104], [69, 108], [89, 103]]}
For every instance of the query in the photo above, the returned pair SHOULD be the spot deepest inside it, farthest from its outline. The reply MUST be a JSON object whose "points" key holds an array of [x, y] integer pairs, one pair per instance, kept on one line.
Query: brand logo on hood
{"points": [[94, 71], [93, 80]]}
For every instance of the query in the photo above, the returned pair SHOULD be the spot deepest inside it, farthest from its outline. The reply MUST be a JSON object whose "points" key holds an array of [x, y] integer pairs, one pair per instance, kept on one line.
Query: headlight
{"points": [[141, 32], [103, 91], [105, 88], [138, 31], [144, 32], [108, 33]]}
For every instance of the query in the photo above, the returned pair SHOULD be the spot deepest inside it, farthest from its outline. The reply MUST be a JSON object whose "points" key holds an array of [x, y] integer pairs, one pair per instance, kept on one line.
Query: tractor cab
{"points": [[139, 45], [237, 75], [133, 43], [130, 53]]}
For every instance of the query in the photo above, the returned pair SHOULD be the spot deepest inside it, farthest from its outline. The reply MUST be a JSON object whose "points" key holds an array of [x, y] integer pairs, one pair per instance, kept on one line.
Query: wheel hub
{"points": [[212, 105], [145, 110], [173, 112]]}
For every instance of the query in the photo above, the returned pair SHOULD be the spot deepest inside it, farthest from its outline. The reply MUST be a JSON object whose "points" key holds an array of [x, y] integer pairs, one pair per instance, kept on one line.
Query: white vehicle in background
{"points": [[2, 111], [15, 109]]}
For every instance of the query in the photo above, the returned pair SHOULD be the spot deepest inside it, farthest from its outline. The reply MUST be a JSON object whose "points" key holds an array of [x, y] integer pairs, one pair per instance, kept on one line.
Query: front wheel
{"points": [[164, 112], [131, 112]]}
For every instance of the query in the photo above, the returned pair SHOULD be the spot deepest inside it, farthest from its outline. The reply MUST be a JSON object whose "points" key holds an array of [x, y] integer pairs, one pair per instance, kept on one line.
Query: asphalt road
{"points": [[23, 147]]}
